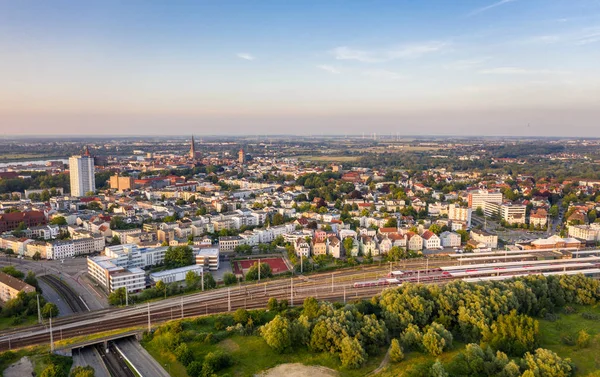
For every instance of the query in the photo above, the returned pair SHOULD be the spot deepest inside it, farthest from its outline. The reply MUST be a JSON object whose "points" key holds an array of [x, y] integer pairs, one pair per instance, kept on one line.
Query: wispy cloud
{"points": [[520, 71], [329, 68], [384, 74], [491, 6], [408, 51], [579, 37], [466, 64], [543, 39], [588, 36], [245, 56]]}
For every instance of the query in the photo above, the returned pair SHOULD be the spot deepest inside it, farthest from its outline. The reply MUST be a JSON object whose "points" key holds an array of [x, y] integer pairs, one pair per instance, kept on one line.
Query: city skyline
{"points": [[501, 68]]}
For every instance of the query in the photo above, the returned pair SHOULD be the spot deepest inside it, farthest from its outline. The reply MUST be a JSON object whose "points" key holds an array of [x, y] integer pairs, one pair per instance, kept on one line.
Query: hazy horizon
{"points": [[471, 67]]}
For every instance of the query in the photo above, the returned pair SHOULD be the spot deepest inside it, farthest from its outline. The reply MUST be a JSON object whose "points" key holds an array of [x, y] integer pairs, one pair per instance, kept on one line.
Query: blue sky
{"points": [[305, 67]]}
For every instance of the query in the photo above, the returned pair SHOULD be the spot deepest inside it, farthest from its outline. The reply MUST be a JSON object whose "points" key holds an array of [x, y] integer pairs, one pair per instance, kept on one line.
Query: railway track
{"points": [[117, 367], [333, 286], [74, 301]]}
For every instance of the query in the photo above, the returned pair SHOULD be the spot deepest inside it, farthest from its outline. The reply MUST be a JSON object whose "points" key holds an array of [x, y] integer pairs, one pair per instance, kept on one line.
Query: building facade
{"points": [[81, 171]]}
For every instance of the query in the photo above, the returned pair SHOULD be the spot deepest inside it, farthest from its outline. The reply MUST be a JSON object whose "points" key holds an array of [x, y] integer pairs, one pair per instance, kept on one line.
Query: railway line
{"points": [[117, 367], [334, 286], [74, 301]]}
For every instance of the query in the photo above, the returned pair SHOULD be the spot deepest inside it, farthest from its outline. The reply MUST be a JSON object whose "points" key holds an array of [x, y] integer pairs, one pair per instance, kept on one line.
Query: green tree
{"points": [[436, 339], [37, 256], [184, 354], [117, 297], [179, 256], [545, 363], [352, 354], [58, 220], [52, 370], [348, 245], [79, 371], [310, 308], [512, 333], [12, 271], [437, 370], [479, 212], [272, 305], [435, 229], [396, 352], [192, 279], [214, 362], [209, 281], [392, 222], [277, 334], [32, 280], [229, 278], [554, 211], [583, 339], [265, 271], [241, 316], [49, 310]]}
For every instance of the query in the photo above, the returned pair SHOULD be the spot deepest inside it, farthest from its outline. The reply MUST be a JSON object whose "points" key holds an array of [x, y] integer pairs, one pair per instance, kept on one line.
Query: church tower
{"points": [[241, 156], [193, 149]]}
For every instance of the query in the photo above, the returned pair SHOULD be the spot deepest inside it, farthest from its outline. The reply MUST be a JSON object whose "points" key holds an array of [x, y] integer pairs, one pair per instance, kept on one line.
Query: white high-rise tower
{"points": [[81, 170]]}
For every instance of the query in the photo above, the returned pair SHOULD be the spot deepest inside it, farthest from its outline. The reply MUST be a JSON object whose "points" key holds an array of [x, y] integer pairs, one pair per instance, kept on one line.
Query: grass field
{"points": [[7, 323], [587, 359]]}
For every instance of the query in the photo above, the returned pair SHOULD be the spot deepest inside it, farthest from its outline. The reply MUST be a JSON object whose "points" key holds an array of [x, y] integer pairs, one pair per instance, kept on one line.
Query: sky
{"points": [[402, 67]]}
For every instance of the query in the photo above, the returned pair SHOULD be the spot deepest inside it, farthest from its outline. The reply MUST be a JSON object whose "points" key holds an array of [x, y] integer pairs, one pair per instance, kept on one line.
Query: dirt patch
{"points": [[21, 368], [229, 345], [298, 370]]}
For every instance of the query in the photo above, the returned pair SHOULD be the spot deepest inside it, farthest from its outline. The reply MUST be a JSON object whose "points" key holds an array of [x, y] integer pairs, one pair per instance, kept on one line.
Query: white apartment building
{"points": [[81, 172], [481, 236], [510, 212], [60, 250], [229, 243], [133, 280], [585, 232], [450, 239], [208, 257], [477, 198], [458, 213]]}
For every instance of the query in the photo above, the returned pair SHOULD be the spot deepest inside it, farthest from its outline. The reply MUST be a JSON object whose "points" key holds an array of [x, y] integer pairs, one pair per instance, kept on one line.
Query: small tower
{"points": [[193, 149], [241, 156]]}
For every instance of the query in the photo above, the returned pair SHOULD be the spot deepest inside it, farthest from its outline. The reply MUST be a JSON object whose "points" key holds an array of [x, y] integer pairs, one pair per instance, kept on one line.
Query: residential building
{"points": [[81, 171], [335, 246], [207, 256], [477, 198], [430, 240], [11, 286], [414, 242], [538, 217], [229, 243], [588, 233], [11, 221], [302, 247], [122, 183], [481, 236], [458, 213], [319, 246], [450, 239]]}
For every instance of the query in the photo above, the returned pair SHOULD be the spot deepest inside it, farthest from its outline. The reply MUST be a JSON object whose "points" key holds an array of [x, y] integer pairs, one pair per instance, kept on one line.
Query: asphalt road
{"points": [[52, 296], [89, 356], [140, 358], [71, 271]]}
